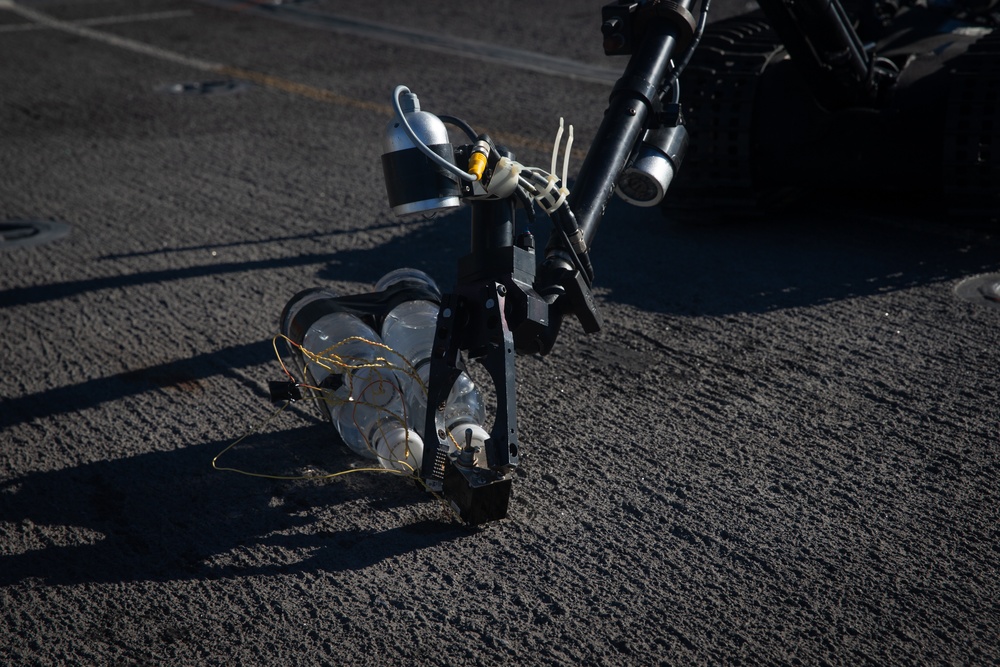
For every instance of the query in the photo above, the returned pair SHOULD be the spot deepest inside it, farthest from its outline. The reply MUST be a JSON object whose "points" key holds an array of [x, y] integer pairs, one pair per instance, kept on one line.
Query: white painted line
{"points": [[260, 78], [104, 20], [446, 44], [108, 38]]}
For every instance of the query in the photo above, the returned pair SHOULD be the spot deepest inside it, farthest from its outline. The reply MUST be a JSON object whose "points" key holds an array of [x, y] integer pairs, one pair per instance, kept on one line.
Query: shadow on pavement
{"points": [[431, 245], [183, 373], [165, 516], [690, 266], [168, 515], [21, 296]]}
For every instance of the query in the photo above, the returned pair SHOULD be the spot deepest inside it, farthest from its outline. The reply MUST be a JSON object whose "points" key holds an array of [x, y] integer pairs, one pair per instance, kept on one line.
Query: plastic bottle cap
{"points": [[393, 454], [479, 435]]}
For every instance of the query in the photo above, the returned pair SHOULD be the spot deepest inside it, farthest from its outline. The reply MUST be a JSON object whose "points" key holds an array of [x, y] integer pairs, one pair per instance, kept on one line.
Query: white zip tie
{"points": [[555, 147], [569, 146]]}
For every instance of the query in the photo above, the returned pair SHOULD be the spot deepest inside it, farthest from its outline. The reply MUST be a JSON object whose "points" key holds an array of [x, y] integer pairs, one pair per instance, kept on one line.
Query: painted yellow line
{"points": [[267, 80], [303, 90]]}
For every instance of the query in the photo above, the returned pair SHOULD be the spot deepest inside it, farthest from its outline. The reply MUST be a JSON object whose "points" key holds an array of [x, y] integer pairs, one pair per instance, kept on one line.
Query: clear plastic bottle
{"points": [[361, 393], [409, 330]]}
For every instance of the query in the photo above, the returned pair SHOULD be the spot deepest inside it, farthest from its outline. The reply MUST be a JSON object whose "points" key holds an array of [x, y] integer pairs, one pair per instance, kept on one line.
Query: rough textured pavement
{"points": [[782, 448]]}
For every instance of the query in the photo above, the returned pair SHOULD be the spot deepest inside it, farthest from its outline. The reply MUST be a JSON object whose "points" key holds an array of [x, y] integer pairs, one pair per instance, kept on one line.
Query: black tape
{"points": [[284, 391], [411, 176]]}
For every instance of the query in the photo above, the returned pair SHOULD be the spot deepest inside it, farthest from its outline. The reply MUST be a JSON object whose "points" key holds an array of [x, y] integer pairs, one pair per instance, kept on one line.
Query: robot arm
{"points": [[504, 301]]}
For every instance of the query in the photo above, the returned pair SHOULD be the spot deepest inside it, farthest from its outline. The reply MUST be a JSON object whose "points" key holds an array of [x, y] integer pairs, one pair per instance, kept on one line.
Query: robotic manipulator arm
{"points": [[507, 301]]}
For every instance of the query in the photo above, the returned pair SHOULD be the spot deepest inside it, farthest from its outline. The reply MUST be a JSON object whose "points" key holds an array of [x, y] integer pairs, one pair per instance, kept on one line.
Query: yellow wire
{"points": [[329, 360], [248, 473], [444, 503], [336, 363]]}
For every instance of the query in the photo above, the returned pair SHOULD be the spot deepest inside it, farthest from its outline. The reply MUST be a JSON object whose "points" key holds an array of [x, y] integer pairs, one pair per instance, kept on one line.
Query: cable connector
{"points": [[479, 158]]}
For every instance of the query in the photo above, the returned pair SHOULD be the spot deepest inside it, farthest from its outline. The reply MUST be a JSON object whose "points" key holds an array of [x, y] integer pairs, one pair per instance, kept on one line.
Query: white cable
{"points": [[421, 146]]}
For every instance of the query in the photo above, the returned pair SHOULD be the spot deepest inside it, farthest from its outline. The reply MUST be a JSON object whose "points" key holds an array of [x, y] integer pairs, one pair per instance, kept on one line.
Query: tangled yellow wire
{"points": [[344, 365]]}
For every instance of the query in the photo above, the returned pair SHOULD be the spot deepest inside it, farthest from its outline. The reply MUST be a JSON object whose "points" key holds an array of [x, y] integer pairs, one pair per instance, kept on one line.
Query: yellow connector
{"points": [[477, 164]]}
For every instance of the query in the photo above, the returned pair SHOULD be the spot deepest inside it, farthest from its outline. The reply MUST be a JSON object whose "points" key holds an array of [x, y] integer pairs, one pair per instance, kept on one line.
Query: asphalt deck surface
{"points": [[783, 448]]}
